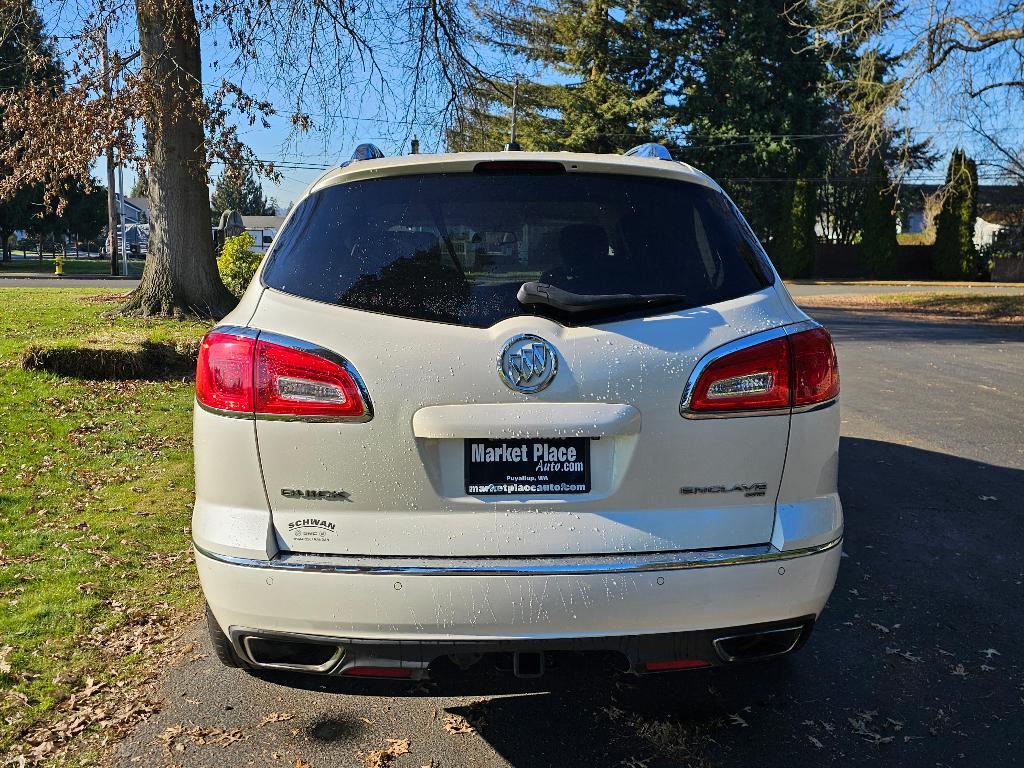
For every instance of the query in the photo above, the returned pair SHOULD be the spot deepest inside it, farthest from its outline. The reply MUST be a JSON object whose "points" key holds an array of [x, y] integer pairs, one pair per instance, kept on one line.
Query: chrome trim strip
{"points": [[522, 566], [727, 349]]}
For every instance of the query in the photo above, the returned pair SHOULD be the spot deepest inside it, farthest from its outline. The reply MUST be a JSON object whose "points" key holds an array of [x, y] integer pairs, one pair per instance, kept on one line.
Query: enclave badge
{"points": [[748, 489]]}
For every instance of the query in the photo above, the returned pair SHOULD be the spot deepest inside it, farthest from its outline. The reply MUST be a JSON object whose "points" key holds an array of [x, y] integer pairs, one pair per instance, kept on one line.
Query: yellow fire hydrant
{"points": [[58, 268]]}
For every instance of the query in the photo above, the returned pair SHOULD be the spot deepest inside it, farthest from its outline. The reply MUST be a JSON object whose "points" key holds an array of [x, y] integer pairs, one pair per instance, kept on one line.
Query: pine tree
{"points": [[748, 88], [596, 59], [237, 190], [955, 256], [878, 245]]}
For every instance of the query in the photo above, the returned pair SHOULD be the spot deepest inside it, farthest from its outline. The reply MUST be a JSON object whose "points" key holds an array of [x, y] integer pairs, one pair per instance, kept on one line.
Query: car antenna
{"points": [[513, 145]]}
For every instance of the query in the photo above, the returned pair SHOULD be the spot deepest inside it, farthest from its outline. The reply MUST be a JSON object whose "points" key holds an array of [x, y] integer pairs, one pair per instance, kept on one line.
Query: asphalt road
{"points": [[917, 660]]}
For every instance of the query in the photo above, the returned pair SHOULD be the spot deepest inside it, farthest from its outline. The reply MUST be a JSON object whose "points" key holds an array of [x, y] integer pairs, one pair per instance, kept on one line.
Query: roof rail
{"points": [[651, 150], [364, 152]]}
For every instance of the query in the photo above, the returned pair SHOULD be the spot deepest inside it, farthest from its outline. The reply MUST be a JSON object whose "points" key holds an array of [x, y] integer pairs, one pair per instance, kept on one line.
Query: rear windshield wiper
{"points": [[552, 296]]}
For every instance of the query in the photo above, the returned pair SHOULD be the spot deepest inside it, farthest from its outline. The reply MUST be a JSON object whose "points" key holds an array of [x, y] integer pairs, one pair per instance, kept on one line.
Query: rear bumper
{"points": [[383, 602]]}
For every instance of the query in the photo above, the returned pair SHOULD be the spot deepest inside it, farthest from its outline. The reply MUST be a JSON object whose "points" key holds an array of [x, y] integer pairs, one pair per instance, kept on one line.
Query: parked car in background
{"points": [[491, 407]]}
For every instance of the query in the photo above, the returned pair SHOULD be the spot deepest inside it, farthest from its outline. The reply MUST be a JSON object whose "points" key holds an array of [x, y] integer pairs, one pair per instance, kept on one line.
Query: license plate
{"points": [[539, 466]]}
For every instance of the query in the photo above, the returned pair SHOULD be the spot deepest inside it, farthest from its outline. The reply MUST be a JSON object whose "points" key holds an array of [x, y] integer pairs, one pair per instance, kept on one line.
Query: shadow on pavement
{"points": [[889, 327]]}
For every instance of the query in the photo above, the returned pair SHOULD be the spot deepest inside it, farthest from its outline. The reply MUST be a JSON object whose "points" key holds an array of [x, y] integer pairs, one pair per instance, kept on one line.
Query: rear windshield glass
{"points": [[456, 248]]}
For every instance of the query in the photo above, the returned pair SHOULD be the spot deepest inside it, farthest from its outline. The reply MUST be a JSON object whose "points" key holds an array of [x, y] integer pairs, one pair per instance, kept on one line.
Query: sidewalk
{"points": [[49, 276]]}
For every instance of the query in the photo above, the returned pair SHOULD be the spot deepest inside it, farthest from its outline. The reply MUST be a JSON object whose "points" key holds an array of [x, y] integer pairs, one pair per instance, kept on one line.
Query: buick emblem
{"points": [[527, 363]]}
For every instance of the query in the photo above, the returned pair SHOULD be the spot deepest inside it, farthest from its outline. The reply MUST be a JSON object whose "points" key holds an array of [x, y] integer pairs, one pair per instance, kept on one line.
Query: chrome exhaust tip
{"points": [[758, 646], [298, 655]]}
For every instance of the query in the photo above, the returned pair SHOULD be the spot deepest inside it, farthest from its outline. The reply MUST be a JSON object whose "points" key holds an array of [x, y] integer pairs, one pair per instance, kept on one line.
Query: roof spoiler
{"points": [[650, 150], [364, 152]]}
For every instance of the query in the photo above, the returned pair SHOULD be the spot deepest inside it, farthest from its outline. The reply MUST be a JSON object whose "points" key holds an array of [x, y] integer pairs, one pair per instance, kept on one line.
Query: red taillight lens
{"points": [[793, 370], [816, 370], [237, 373], [224, 378], [294, 382], [751, 379]]}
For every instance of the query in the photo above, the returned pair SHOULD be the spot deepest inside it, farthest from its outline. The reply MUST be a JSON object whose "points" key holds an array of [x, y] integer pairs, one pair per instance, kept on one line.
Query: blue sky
{"points": [[364, 117]]}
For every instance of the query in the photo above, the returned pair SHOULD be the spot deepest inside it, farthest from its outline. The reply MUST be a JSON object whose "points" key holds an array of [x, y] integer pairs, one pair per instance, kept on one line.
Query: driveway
{"points": [[916, 661]]}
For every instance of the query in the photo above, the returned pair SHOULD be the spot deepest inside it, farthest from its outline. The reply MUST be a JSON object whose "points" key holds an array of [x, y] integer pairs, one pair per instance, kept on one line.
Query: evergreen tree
{"points": [[26, 58], [878, 245], [749, 92], [955, 256], [236, 189], [595, 58], [794, 252]]}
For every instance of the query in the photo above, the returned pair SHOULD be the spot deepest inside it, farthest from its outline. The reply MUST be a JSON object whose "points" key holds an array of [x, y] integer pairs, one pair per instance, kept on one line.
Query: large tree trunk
{"points": [[181, 276]]}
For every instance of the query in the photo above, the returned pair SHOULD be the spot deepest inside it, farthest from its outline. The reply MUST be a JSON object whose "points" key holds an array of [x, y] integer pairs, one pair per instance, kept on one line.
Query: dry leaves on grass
{"points": [[384, 758], [5, 666]]}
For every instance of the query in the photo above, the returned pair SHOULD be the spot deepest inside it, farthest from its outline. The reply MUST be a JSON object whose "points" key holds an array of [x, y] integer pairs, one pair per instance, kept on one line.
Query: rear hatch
{"points": [[509, 427]]}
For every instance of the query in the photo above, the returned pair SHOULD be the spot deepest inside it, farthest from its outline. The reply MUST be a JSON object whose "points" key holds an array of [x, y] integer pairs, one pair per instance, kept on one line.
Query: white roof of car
{"points": [[464, 162]]}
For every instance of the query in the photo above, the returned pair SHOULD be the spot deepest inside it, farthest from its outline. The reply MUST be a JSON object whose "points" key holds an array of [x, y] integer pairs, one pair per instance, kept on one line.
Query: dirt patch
{"points": [[113, 358]]}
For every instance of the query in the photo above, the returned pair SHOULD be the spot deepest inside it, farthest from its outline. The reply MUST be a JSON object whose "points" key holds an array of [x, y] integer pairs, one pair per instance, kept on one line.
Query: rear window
{"points": [[455, 248]]}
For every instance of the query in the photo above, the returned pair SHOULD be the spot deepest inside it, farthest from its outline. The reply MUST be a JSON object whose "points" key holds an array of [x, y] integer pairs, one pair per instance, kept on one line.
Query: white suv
{"points": [[500, 405]]}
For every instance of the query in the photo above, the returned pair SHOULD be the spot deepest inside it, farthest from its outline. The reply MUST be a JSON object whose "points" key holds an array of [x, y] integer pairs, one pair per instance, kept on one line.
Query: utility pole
{"points": [[111, 196], [124, 228]]}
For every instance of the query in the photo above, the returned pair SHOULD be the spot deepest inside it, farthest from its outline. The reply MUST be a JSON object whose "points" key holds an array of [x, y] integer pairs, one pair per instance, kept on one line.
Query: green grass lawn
{"points": [[72, 266], [95, 501]]}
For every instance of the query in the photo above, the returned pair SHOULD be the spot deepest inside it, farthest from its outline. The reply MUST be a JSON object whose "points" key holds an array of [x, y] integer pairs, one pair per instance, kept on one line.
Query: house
{"points": [[136, 209], [263, 230], [999, 206]]}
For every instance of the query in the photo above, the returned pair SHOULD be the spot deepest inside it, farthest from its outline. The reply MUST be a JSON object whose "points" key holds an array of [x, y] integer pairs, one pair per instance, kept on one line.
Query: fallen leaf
{"points": [[5, 666], [457, 724], [275, 717], [384, 758]]}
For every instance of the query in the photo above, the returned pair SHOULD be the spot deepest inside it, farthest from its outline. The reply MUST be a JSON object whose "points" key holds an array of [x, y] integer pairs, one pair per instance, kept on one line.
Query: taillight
{"points": [[816, 370], [786, 371], [224, 372], [295, 382], [280, 378]]}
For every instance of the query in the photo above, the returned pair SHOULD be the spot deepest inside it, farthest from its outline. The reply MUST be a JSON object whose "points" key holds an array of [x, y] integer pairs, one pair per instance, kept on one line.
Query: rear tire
{"points": [[221, 644]]}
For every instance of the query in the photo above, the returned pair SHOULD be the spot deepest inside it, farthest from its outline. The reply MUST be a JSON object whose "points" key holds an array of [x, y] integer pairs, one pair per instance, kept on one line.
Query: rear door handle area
{"points": [[517, 420]]}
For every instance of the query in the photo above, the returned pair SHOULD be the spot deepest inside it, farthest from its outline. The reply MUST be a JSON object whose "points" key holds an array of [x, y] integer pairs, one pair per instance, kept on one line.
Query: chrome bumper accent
{"points": [[568, 565]]}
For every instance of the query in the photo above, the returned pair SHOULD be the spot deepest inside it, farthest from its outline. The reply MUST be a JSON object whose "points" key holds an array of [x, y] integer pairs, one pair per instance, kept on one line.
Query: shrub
{"points": [[878, 245], [114, 357], [794, 252], [237, 263], [955, 256]]}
